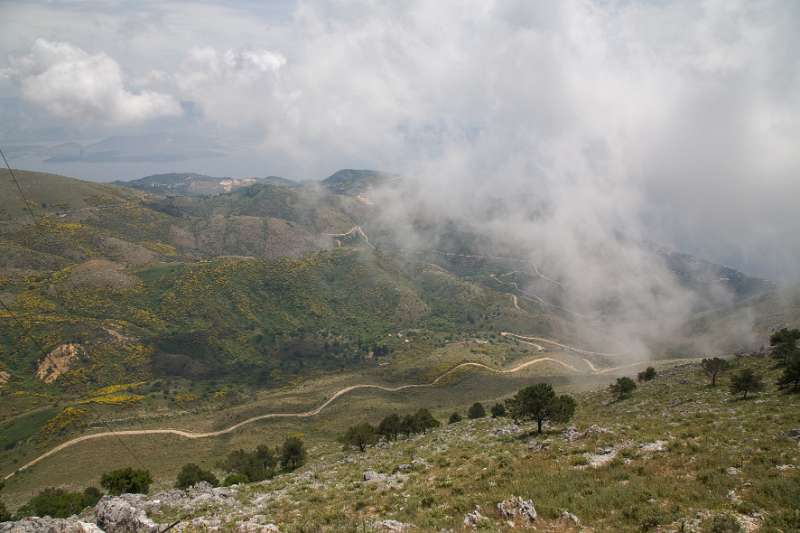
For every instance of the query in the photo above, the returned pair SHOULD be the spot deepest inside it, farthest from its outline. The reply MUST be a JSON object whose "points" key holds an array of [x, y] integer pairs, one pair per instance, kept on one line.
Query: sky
{"points": [[676, 121]]}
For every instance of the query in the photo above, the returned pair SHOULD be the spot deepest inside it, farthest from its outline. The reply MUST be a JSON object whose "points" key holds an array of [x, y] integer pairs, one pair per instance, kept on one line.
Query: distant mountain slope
{"points": [[354, 182], [198, 184], [52, 194]]}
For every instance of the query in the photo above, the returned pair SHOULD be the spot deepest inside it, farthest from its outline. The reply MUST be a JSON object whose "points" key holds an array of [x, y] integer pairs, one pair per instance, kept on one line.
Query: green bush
{"points": [[725, 523], [58, 503], [476, 411], [648, 374], [191, 474], [257, 465], [126, 481], [623, 388], [454, 418], [293, 454], [390, 426], [91, 495], [234, 479], [498, 410]]}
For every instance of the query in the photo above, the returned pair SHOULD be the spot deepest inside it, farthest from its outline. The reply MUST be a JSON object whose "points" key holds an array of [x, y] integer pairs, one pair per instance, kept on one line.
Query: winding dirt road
{"points": [[305, 414]]}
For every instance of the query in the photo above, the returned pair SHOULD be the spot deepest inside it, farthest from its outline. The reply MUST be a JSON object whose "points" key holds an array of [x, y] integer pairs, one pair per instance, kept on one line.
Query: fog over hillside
{"points": [[674, 122]]}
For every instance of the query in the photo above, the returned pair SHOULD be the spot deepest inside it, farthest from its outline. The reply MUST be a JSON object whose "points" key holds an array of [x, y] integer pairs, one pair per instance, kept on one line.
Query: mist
{"points": [[570, 133]]}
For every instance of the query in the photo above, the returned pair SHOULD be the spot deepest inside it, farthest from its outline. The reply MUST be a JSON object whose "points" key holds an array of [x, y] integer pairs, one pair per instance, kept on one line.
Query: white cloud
{"points": [[71, 83]]}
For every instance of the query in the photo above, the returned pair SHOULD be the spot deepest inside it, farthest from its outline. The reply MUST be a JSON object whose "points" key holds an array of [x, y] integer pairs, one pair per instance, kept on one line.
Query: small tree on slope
{"points": [[623, 388], [293, 454], [540, 403], [476, 411], [360, 436], [746, 381], [714, 367], [791, 374]]}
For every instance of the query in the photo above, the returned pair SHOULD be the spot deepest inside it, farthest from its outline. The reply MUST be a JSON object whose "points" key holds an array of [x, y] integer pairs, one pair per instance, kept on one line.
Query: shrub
{"points": [[192, 474], [293, 454], [56, 503], [454, 418], [359, 436], [791, 374], [91, 495], [498, 410], [623, 388], [390, 426], [746, 381], [126, 481], [725, 523], [540, 403], [648, 374], [257, 465], [423, 421], [234, 479], [476, 411]]}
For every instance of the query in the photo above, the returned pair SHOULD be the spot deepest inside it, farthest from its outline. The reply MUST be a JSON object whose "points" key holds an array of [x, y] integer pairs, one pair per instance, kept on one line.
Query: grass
{"points": [[706, 430], [24, 427]]}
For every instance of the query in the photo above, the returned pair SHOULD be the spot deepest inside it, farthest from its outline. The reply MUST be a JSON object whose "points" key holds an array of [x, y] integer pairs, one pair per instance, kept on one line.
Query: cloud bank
{"points": [[672, 120], [71, 83]]}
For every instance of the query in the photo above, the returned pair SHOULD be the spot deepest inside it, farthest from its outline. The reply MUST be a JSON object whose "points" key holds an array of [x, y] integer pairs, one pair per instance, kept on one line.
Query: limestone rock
{"points": [[515, 508], [118, 514], [49, 525], [474, 518]]}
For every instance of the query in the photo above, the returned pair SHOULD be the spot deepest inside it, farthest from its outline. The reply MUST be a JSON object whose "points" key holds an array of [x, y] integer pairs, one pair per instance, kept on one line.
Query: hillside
{"points": [[708, 462], [193, 184]]}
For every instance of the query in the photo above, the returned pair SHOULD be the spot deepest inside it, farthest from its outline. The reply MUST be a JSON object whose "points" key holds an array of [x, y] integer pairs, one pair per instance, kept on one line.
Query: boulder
{"points": [[391, 526], [474, 518], [117, 514], [515, 508]]}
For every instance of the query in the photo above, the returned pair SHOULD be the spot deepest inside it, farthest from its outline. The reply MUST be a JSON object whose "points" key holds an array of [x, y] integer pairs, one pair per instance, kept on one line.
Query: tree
{"points": [[791, 374], [5, 516], [784, 343], [649, 374], [389, 427], [423, 420], [476, 411], [714, 367], [623, 388], [454, 418], [126, 481], [408, 425], [540, 403], [191, 474], [498, 410], [360, 436], [293, 454], [746, 381]]}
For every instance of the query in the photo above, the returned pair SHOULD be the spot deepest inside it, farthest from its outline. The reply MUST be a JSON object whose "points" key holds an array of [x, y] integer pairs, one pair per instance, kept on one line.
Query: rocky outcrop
{"points": [[58, 361], [124, 514], [517, 510], [49, 525], [4, 377]]}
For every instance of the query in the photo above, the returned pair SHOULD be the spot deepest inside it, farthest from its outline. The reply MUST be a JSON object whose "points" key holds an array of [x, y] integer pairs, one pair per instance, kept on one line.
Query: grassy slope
{"points": [[706, 432]]}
